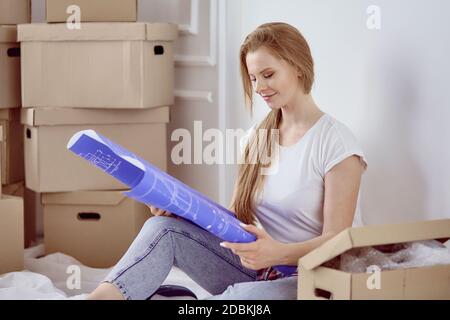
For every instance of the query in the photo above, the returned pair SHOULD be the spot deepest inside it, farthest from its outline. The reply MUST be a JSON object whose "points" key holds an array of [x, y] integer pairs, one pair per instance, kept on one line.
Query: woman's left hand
{"points": [[262, 253]]}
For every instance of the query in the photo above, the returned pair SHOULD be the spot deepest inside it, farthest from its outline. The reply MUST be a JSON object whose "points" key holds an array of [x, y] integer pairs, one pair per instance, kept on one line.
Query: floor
{"points": [[55, 277]]}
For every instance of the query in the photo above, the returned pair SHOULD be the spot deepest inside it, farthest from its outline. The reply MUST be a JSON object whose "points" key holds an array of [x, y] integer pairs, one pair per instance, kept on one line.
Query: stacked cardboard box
{"points": [[11, 231], [113, 76], [32, 211], [12, 12]]}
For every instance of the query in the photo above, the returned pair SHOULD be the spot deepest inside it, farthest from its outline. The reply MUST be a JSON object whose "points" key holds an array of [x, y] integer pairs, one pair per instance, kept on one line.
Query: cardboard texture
{"points": [[15, 11], [33, 214], [9, 68], [93, 10], [103, 65], [11, 234], [12, 157], [50, 167], [319, 282], [95, 228]]}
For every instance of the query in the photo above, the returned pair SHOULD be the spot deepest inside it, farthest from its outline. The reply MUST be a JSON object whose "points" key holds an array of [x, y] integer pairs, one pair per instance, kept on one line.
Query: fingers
{"points": [[158, 212], [239, 248], [259, 233]]}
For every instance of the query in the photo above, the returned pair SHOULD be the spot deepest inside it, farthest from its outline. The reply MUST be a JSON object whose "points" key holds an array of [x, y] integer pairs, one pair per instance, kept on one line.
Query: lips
{"points": [[268, 97]]}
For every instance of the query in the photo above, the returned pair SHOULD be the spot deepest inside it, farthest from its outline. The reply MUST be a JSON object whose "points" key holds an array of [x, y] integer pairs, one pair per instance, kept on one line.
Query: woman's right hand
{"points": [[158, 212]]}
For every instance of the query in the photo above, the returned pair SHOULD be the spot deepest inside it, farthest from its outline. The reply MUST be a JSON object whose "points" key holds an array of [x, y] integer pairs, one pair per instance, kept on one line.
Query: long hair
{"points": [[287, 43]]}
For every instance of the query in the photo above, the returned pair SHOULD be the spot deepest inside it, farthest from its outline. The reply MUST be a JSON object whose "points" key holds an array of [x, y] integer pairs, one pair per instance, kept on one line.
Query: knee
{"points": [[157, 224]]}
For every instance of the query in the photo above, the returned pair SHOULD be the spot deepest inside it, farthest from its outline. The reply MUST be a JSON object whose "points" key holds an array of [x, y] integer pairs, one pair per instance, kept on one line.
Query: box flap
{"points": [[100, 198], [8, 33], [73, 116], [98, 31], [162, 31], [375, 235]]}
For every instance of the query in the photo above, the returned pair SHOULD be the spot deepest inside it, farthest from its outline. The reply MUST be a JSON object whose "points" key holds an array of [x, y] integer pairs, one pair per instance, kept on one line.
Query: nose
{"points": [[260, 85]]}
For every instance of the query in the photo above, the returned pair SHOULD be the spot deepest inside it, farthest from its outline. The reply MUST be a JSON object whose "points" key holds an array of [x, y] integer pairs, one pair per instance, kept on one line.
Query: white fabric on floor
{"points": [[50, 278]]}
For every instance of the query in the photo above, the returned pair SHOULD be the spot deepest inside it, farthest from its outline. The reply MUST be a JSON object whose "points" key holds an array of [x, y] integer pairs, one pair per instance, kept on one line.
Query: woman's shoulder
{"points": [[333, 129]]}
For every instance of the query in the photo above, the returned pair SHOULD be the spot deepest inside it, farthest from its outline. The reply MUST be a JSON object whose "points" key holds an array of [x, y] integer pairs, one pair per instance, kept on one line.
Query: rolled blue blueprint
{"points": [[154, 187]]}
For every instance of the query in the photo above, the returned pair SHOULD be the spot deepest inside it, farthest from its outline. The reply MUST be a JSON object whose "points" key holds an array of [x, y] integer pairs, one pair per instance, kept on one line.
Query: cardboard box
{"points": [[318, 282], [33, 214], [11, 234], [95, 228], [50, 167], [9, 68], [93, 10], [15, 11], [12, 158], [103, 65], [1, 152]]}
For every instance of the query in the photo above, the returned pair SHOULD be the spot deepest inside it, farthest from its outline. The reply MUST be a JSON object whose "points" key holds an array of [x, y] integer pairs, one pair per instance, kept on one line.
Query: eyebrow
{"points": [[262, 70]]}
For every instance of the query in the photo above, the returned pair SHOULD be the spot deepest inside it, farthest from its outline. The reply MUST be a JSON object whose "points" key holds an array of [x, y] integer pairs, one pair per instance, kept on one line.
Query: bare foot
{"points": [[105, 291]]}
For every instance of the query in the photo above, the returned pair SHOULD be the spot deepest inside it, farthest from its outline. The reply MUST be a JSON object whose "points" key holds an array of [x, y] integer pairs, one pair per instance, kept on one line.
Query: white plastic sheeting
{"points": [[398, 256], [52, 277]]}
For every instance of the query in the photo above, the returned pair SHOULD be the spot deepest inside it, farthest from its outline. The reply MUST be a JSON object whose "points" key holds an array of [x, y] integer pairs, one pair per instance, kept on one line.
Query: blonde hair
{"points": [[287, 43]]}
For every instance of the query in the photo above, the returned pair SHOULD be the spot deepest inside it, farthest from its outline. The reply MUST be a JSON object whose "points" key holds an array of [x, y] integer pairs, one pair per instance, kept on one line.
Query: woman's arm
{"points": [[340, 197]]}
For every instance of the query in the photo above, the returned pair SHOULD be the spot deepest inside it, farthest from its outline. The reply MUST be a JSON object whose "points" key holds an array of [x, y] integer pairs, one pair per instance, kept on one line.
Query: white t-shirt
{"points": [[290, 208]]}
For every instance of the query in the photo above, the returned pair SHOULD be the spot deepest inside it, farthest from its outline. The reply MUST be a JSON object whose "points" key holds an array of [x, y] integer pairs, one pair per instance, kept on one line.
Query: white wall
{"points": [[390, 86]]}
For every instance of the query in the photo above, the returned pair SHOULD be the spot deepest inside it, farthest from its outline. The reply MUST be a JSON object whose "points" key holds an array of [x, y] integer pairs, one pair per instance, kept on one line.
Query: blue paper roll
{"points": [[154, 187]]}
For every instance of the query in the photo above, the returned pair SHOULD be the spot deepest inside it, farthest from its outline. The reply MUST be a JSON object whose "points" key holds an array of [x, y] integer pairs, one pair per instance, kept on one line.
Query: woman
{"points": [[310, 197]]}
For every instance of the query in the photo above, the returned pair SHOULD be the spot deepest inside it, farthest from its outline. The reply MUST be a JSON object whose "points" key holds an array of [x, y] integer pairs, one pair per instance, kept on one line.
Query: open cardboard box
{"points": [[93, 10], [318, 282], [102, 65]]}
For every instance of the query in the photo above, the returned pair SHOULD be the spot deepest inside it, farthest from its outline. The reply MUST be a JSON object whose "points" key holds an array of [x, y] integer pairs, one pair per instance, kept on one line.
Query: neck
{"points": [[300, 112]]}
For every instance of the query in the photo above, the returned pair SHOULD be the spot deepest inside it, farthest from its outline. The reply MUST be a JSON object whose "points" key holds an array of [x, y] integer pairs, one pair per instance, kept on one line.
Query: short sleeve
{"points": [[340, 143]]}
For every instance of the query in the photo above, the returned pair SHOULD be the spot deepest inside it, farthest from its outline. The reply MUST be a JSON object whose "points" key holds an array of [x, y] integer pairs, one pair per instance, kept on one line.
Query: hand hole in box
{"points": [[28, 134], [159, 50], [320, 293], [13, 52], [88, 216]]}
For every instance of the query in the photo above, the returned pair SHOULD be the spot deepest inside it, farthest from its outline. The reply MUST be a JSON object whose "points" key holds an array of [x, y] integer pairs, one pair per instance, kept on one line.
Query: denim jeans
{"points": [[164, 242]]}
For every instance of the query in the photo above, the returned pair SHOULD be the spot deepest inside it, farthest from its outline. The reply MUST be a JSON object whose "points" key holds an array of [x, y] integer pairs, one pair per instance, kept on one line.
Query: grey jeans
{"points": [[164, 242]]}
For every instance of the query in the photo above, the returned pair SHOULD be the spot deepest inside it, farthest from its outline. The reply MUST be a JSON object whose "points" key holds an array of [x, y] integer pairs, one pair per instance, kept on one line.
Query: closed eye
{"points": [[266, 77]]}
